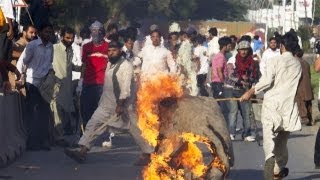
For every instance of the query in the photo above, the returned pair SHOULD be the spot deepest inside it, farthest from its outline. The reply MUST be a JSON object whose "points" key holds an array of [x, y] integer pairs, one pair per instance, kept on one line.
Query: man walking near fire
{"points": [[115, 107], [280, 114]]}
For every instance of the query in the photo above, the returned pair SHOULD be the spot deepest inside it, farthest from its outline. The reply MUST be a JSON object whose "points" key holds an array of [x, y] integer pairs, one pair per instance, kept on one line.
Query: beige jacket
{"points": [[280, 83]]}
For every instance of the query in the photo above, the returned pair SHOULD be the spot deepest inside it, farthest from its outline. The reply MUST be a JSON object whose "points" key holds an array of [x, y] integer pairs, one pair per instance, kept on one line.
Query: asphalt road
{"points": [[117, 163]]}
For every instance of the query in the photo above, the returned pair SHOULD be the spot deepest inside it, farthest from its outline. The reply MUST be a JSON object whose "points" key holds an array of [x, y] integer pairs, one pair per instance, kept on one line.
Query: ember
{"points": [[177, 155]]}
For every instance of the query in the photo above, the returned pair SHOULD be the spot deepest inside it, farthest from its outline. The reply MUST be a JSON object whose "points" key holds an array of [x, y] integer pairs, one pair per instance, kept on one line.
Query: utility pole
{"points": [[284, 16]]}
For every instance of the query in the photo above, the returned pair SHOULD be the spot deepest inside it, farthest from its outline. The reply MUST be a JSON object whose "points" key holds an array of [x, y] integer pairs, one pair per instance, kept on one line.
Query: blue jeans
{"points": [[89, 100], [233, 107]]}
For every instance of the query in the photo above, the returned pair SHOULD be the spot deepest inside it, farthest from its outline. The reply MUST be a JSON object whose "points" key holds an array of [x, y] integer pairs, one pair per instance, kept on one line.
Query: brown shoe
{"points": [[143, 160], [77, 154]]}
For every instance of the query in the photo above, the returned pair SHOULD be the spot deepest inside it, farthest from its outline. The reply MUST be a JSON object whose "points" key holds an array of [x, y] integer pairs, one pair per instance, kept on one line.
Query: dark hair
{"points": [[85, 33], [290, 42], [66, 30], [200, 39], [45, 25], [126, 38], [224, 41], [115, 44], [213, 31], [245, 38], [234, 37], [299, 53], [156, 31], [112, 26], [256, 37], [26, 27], [173, 34], [183, 33], [272, 39]]}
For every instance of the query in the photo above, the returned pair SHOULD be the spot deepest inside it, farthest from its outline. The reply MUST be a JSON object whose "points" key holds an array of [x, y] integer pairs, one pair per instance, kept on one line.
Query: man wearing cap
{"points": [[245, 75], [114, 104], [94, 59]]}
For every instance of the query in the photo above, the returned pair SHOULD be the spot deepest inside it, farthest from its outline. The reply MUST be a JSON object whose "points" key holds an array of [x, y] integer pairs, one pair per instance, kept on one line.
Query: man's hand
{"points": [[6, 86], [10, 34], [246, 96]]}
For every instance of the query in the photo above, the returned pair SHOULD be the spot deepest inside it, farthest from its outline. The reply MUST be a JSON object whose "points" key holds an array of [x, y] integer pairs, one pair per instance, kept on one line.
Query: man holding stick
{"points": [[280, 114]]}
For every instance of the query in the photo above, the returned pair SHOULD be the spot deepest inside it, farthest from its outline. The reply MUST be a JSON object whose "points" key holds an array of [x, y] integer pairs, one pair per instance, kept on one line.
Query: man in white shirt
{"points": [[213, 45], [37, 58], [155, 58], [271, 52], [200, 53], [186, 64], [280, 115], [6, 32]]}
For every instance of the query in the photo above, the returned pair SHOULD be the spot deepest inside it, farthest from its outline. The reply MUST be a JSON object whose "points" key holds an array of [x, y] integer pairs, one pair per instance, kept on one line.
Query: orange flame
{"points": [[190, 158], [150, 93]]}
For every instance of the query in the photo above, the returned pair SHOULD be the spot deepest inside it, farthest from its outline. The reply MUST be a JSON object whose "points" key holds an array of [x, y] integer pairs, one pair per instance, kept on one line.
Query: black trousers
{"points": [[317, 150], [37, 119], [5, 45], [201, 80]]}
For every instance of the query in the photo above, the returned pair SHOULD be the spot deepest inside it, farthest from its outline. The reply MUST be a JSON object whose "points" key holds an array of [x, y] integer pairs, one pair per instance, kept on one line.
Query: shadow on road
{"points": [[299, 135], [240, 174], [314, 176]]}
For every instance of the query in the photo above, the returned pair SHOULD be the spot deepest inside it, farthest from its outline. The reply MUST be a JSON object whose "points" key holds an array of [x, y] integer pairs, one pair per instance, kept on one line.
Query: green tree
{"points": [[78, 12]]}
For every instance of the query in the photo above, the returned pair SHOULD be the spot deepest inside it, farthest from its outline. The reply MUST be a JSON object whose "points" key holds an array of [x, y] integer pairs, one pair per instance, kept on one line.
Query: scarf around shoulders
{"points": [[245, 66]]}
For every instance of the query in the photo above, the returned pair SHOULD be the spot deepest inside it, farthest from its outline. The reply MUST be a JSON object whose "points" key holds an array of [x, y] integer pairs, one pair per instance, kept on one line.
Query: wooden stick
{"points": [[235, 99]]}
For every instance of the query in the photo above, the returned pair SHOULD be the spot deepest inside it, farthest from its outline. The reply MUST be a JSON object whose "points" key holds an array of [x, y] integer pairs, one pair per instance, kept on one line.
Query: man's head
{"points": [[299, 53], [213, 32], [273, 43], [234, 40], [256, 37], [112, 32], [29, 32], [155, 37], [225, 44], [200, 39], [114, 51], [243, 48], [67, 35], [112, 29], [129, 42], [289, 42], [46, 32], [183, 35], [97, 32]]}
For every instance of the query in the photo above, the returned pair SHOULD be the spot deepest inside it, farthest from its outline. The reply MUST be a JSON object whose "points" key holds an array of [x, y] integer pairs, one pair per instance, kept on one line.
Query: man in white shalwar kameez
{"points": [[155, 59], [280, 114], [115, 106]]}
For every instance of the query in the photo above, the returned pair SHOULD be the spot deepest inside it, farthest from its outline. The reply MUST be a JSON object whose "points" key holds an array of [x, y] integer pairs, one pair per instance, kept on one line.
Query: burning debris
{"points": [[175, 125]]}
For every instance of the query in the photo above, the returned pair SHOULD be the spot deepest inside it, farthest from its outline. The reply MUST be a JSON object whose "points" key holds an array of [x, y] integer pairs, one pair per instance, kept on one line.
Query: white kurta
{"points": [[279, 109], [156, 60], [268, 54]]}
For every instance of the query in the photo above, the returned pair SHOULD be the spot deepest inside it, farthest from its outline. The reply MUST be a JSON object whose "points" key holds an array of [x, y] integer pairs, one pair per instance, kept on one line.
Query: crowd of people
{"points": [[73, 84]]}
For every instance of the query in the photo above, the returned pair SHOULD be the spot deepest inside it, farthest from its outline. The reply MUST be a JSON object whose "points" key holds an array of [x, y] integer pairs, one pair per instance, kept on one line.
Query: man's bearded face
{"points": [[114, 55], [68, 39], [30, 34]]}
